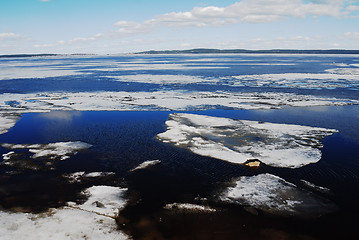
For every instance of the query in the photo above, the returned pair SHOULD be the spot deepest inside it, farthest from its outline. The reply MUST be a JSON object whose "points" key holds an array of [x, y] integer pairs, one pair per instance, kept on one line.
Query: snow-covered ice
{"points": [[236, 141], [274, 195], [91, 220], [146, 164]]}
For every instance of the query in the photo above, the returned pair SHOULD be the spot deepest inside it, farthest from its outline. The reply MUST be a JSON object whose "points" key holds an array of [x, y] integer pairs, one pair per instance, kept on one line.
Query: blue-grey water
{"points": [[123, 139]]}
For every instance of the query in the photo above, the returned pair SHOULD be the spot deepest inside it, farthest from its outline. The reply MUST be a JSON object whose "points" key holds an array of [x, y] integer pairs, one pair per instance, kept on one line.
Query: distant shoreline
{"points": [[42, 55], [202, 51], [276, 51]]}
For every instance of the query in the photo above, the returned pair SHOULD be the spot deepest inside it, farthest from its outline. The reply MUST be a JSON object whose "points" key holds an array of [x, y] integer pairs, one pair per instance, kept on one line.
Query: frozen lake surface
{"points": [[139, 145]]}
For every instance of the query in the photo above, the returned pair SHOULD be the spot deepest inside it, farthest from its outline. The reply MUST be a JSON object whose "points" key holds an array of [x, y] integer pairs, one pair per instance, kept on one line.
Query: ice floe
{"points": [[189, 207], [160, 100], [314, 187], [58, 150], [7, 121], [146, 164], [274, 195], [164, 79], [237, 141], [23, 72], [7, 156], [335, 78], [104, 200], [79, 176], [90, 220]]}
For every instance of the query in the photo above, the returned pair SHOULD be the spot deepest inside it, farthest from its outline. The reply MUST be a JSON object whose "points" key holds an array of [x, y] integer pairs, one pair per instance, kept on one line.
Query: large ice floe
{"points": [[237, 141], [274, 195], [93, 219]]}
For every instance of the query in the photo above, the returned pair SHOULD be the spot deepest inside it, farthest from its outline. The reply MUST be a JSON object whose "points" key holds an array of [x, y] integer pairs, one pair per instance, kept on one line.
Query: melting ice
{"points": [[91, 220], [237, 141], [273, 194]]}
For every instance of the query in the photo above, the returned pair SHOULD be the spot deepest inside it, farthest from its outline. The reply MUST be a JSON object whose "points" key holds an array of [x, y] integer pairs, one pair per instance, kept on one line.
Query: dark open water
{"points": [[122, 140]]}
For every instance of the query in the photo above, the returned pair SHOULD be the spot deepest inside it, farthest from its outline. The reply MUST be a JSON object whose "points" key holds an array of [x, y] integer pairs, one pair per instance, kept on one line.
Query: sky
{"points": [[119, 26]]}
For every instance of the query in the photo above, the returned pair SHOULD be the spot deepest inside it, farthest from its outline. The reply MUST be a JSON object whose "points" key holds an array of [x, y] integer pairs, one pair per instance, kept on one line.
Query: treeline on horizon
{"points": [[205, 51], [41, 55], [284, 51]]}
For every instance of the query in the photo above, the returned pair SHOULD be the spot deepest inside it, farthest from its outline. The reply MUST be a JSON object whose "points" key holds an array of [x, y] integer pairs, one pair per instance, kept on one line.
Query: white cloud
{"points": [[246, 11], [353, 8], [351, 35], [9, 36]]}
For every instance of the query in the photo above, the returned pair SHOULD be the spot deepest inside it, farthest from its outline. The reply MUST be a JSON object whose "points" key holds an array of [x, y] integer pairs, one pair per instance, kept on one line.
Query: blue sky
{"points": [[118, 26]]}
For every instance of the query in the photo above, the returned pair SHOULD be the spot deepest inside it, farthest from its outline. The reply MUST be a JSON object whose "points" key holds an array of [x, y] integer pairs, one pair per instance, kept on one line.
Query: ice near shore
{"points": [[237, 141], [92, 220]]}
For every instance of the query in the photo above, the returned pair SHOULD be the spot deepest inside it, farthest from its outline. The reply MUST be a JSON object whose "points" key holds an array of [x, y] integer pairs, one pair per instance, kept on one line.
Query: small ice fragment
{"points": [[7, 156], [74, 177], [189, 207], [79, 176], [146, 164], [315, 187], [98, 174]]}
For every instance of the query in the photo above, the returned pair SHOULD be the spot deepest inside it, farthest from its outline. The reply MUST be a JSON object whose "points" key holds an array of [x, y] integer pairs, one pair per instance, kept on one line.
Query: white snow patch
{"points": [[60, 150], [236, 141], [91, 220], [146, 164], [273, 194]]}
